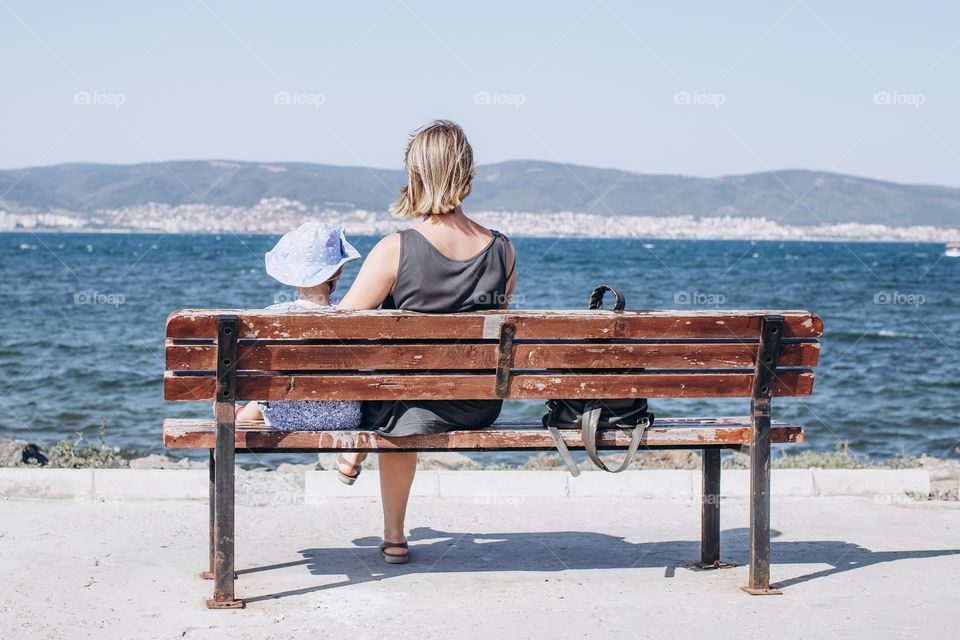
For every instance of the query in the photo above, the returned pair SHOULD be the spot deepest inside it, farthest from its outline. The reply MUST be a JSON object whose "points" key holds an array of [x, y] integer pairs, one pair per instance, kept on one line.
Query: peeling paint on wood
{"points": [[633, 355], [476, 386], [530, 324], [519, 435]]}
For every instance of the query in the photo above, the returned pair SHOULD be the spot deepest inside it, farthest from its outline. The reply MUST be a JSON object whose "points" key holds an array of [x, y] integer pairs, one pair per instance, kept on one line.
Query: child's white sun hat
{"points": [[310, 255]]}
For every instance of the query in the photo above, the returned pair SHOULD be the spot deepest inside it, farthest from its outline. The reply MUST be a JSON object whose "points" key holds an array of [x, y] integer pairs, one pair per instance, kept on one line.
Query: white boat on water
{"points": [[953, 250]]}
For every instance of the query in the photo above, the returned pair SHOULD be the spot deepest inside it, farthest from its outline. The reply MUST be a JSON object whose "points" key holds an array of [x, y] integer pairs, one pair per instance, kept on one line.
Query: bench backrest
{"points": [[387, 355]]}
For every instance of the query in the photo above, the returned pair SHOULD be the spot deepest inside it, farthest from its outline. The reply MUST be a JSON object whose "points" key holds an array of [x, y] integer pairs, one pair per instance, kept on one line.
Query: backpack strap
{"points": [[550, 422], [564, 451], [589, 423]]}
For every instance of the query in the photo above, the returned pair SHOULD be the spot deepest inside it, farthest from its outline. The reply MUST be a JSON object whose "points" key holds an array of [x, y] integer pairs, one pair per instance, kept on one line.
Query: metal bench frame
{"points": [[222, 465]]}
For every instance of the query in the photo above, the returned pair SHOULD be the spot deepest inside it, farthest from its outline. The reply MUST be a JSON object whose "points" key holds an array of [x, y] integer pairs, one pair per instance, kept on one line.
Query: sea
{"points": [[82, 326]]}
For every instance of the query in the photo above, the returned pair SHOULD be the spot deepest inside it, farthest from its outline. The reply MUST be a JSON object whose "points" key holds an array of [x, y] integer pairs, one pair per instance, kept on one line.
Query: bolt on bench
{"points": [[231, 355]]}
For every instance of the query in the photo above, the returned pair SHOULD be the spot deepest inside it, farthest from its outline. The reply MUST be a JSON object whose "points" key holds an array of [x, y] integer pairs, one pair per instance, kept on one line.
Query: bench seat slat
{"points": [[416, 386], [289, 357], [377, 325], [667, 432]]}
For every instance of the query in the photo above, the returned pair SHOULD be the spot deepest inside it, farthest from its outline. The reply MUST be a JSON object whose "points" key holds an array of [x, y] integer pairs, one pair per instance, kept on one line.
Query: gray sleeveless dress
{"points": [[430, 282]]}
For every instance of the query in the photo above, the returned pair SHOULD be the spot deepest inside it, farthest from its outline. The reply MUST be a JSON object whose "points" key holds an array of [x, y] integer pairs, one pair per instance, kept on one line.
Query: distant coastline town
{"points": [[277, 215]]}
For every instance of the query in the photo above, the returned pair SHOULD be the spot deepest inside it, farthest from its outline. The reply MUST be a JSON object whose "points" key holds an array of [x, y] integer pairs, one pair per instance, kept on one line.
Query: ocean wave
{"points": [[881, 333], [889, 333]]}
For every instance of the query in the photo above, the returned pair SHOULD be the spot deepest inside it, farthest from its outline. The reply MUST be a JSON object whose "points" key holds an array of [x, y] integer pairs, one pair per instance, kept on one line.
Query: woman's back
{"points": [[461, 239], [429, 280]]}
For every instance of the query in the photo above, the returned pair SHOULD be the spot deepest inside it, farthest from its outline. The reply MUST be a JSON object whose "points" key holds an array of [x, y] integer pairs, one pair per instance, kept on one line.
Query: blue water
{"points": [[889, 380]]}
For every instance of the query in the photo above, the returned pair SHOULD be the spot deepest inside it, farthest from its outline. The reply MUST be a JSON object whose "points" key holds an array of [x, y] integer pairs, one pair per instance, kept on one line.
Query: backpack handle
{"points": [[588, 425], [596, 298]]}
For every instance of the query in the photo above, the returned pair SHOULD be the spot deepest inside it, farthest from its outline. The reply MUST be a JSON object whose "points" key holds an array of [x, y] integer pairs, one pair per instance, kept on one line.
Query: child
{"points": [[310, 258]]}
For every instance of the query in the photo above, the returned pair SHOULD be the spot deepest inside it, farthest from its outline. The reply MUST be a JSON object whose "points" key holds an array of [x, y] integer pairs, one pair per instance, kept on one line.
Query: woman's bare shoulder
{"points": [[387, 247]]}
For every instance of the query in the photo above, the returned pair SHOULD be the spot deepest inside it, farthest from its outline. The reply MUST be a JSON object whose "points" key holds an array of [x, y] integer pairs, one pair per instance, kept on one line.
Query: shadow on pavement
{"points": [[434, 551]]}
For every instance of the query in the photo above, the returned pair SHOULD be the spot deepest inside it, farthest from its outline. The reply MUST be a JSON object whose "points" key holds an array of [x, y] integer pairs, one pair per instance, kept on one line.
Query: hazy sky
{"points": [[710, 88]]}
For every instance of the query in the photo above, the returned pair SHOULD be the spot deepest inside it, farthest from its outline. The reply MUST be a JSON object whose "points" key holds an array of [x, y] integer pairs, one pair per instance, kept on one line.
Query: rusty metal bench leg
{"points": [[710, 512], [212, 502], [211, 498], [759, 578], [224, 474]]}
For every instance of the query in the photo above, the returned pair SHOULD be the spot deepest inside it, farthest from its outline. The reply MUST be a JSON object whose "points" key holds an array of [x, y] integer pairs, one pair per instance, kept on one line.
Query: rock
{"points": [[441, 460], [545, 462], [262, 487], [449, 460], [18, 453], [326, 461], [944, 478], [943, 469], [289, 467], [295, 472], [159, 461], [187, 463], [682, 459]]}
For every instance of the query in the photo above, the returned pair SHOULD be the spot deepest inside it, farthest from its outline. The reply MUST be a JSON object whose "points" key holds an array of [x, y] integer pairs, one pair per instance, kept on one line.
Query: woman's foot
{"points": [[395, 552], [349, 470]]}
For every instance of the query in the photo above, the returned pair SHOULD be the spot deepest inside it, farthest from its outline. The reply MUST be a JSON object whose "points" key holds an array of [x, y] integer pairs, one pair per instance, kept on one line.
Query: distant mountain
{"points": [[518, 185]]}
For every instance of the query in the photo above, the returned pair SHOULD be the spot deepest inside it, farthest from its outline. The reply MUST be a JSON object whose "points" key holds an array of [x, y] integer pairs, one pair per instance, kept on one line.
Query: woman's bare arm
{"points": [[376, 277]]}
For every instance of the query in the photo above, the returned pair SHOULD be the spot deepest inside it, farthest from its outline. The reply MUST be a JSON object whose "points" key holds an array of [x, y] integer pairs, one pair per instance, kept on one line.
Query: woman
{"points": [[446, 263]]}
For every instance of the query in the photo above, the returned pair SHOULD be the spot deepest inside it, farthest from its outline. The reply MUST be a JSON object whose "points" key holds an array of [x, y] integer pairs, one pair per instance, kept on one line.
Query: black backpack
{"points": [[591, 415]]}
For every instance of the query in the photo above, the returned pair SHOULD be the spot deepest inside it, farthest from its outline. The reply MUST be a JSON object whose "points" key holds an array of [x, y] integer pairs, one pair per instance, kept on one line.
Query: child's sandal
{"points": [[347, 478]]}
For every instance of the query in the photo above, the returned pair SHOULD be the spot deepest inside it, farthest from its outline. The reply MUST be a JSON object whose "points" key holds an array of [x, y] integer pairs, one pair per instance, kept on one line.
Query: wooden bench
{"points": [[231, 355]]}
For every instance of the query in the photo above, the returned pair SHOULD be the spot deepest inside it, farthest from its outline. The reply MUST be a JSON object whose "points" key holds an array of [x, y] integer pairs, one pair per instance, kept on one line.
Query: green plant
{"points": [[839, 458], [542, 461], [82, 455], [905, 461]]}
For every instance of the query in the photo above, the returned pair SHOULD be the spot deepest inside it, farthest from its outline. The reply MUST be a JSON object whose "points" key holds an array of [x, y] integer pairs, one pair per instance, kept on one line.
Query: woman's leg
{"points": [[396, 477]]}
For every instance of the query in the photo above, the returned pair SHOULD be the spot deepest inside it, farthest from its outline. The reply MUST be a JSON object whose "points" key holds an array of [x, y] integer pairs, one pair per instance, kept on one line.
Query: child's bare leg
{"points": [[250, 413]]}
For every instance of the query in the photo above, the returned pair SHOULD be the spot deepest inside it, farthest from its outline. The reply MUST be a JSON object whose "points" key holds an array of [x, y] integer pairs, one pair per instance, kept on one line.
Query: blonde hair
{"points": [[439, 163]]}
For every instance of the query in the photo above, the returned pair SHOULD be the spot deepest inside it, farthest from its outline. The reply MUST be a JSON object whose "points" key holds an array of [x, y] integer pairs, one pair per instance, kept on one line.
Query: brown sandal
{"points": [[390, 558], [346, 478]]}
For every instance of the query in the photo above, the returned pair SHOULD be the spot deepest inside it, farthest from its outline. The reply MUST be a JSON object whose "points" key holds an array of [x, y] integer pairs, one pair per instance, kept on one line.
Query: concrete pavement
{"points": [[497, 567]]}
